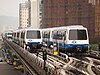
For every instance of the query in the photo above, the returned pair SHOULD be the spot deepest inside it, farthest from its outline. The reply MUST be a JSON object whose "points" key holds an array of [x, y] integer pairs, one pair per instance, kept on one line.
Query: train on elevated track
{"points": [[28, 38], [69, 39]]}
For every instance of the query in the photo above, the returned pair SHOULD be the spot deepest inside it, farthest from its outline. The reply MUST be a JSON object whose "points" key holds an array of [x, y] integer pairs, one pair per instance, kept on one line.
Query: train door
{"points": [[22, 38], [46, 37], [55, 37], [17, 40], [61, 38]]}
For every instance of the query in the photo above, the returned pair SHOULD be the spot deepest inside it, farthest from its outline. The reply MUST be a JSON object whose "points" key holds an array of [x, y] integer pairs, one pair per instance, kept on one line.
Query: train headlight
{"points": [[54, 44], [45, 45], [51, 46], [85, 45]]}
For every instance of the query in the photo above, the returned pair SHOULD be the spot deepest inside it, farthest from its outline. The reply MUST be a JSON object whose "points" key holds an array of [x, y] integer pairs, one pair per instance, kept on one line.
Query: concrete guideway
{"points": [[55, 65], [32, 61], [24, 55]]}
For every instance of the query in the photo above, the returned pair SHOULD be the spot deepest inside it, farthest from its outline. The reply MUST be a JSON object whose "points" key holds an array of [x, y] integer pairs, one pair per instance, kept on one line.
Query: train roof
{"points": [[72, 26], [67, 27]]}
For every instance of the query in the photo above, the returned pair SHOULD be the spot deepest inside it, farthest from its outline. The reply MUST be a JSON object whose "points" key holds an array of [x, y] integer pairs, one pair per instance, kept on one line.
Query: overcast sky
{"points": [[10, 7]]}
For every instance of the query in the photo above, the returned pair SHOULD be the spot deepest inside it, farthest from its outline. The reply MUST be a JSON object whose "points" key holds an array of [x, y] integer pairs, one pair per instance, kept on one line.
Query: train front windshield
{"points": [[9, 34], [77, 35], [33, 34]]}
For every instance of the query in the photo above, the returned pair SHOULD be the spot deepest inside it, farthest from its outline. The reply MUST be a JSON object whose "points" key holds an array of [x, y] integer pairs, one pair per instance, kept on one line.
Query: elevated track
{"points": [[55, 64]]}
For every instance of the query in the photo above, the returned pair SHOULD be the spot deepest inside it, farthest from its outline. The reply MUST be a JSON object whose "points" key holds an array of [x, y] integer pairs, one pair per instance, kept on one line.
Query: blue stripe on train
{"points": [[49, 42], [68, 46], [34, 43], [73, 45]]}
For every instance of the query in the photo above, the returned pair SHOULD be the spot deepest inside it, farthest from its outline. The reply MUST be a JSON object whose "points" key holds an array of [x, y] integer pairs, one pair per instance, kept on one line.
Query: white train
{"points": [[28, 38], [8, 34], [67, 38]]}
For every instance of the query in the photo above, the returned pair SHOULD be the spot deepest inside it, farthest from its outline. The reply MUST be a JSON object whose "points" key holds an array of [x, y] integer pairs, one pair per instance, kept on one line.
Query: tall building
{"points": [[97, 20], [29, 9], [70, 12], [23, 15], [36, 13]]}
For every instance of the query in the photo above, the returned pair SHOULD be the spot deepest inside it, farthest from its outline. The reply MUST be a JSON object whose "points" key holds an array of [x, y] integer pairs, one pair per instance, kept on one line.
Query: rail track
{"points": [[74, 65], [83, 64]]}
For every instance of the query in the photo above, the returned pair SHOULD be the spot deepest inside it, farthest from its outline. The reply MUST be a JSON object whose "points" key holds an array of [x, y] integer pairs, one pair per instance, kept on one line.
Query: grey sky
{"points": [[10, 7]]}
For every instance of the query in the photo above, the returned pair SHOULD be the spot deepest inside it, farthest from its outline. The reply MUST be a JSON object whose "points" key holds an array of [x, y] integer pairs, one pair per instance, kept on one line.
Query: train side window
{"points": [[12, 34], [15, 34], [22, 35], [61, 35], [18, 35], [43, 34], [54, 34], [46, 35], [64, 35]]}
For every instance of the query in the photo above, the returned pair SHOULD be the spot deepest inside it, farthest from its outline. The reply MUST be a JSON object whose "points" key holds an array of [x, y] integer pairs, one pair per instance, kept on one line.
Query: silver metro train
{"points": [[28, 38], [8, 34], [67, 38]]}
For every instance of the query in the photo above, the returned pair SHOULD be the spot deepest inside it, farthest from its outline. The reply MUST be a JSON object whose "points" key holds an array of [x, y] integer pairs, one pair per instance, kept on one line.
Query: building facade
{"points": [[36, 13], [97, 19], [70, 12], [23, 15]]}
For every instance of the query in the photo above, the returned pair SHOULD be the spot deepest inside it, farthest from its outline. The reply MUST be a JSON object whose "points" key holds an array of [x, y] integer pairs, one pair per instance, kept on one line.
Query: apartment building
{"points": [[23, 15], [35, 13], [97, 20]]}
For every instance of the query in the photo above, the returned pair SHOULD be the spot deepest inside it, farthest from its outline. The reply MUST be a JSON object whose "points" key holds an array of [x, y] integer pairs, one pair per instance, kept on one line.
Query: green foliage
{"points": [[94, 47]]}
